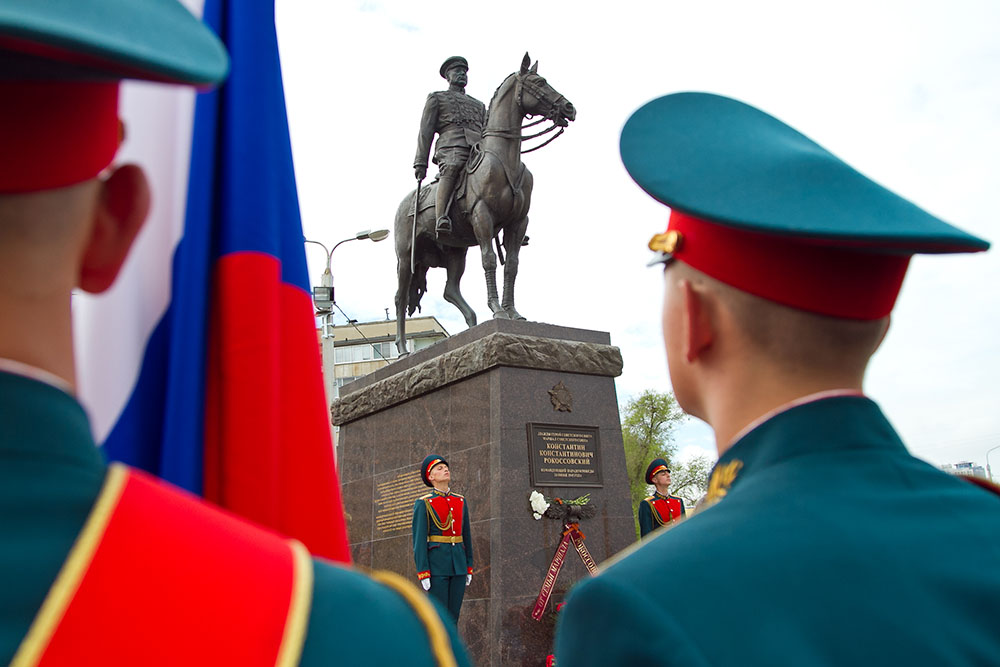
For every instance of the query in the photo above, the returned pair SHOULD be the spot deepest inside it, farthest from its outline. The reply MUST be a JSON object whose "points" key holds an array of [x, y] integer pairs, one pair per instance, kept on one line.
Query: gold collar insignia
{"points": [[722, 478]]}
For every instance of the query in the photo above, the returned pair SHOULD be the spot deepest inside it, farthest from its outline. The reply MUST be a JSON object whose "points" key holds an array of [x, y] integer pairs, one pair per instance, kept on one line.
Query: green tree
{"points": [[648, 424], [689, 480]]}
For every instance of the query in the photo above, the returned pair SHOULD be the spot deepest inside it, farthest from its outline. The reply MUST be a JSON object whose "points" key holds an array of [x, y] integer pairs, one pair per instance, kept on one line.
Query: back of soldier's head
{"points": [[60, 68], [61, 64], [791, 339], [807, 254]]}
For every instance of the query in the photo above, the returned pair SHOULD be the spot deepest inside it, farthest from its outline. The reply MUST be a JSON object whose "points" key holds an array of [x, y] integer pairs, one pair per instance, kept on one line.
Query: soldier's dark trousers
{"points": [[450, 592]]}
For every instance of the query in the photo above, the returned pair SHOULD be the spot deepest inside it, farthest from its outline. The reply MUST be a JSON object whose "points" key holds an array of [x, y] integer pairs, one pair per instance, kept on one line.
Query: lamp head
{"points": [[377, 235]]}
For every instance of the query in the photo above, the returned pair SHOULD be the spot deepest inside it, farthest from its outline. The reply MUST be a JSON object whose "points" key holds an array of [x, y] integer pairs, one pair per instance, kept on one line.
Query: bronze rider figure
{"points": [[458, 120]]}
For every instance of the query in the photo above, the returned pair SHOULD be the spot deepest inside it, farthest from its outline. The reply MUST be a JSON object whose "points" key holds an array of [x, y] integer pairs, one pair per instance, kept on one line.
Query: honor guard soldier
{"points": [[458, 120], [442, 543], [87, 549], [823, 541], [660, 508]]}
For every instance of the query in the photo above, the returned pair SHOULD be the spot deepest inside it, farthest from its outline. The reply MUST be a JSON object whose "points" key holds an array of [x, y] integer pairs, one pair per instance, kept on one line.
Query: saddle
{"points": [[476, 154]]}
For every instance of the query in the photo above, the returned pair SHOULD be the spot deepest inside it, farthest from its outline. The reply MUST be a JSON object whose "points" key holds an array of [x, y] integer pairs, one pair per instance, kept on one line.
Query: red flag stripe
{"points": [[268, 448]]}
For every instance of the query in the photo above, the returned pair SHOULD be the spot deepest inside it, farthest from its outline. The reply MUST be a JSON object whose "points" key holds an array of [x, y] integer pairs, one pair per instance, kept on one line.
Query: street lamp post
{"points": [[323, 293], [989, 473], [323, 300], [323, 297]]}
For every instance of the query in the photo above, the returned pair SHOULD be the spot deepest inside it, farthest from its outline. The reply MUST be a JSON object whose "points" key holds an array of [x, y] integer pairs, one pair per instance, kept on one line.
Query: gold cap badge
{"points": [[668, 242]]}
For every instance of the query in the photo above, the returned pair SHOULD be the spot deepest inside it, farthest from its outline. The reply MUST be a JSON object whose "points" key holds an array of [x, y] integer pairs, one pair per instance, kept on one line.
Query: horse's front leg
{"points": [[482, 226], [512, 239]]}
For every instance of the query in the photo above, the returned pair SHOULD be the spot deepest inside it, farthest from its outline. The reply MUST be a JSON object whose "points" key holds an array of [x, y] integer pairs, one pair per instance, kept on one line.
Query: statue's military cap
{"points": [[759, 206], [429, 462], [60, 64], [454, 60], [655, 466]]}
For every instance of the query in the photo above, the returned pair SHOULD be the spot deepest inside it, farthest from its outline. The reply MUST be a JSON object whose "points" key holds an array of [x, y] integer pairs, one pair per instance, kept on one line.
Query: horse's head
{"points": [[538, 98]]}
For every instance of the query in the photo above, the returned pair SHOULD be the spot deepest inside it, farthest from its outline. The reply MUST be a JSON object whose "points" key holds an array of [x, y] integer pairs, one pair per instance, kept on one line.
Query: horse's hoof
{"points": [[514, 315], [500, 315]]}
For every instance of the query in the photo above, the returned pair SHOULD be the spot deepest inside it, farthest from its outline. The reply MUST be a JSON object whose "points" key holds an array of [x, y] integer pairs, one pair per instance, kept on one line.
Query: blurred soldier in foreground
{"points": [[823, 541], [106, 565], [661, 508]]}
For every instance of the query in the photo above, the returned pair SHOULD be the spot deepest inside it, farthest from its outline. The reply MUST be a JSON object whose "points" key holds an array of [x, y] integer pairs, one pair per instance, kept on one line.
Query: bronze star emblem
{"points": [[562, 399]]}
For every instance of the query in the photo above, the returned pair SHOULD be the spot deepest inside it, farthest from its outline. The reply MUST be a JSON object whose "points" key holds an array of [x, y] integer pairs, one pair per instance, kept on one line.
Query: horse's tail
{"points": [[418, 286]]}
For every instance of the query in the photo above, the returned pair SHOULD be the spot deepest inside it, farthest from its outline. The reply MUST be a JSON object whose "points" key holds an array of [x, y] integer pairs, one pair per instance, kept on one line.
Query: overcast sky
{"points": [[906, 92]]}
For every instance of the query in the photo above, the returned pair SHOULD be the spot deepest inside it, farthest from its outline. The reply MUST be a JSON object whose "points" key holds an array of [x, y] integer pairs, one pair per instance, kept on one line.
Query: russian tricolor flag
{"points": [[219, 378]]}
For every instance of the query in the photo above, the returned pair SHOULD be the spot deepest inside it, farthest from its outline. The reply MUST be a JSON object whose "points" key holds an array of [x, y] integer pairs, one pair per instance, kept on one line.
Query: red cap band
{"points": [[808, 274], [56, 133]]}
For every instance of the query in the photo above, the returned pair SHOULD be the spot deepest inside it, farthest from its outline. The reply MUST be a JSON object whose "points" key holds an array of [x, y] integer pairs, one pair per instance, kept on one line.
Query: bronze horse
{"points": [[495, 197]]}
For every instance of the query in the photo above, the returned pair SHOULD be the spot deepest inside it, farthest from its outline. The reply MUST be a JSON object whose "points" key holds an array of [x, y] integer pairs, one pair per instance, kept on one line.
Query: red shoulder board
{"points": [[157, 577], [983, 484]]}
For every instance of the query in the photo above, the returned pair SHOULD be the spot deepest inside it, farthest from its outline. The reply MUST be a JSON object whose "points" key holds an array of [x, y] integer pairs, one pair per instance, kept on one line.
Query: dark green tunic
{"points": [[833, 546], [50, 475], [447, 564]]}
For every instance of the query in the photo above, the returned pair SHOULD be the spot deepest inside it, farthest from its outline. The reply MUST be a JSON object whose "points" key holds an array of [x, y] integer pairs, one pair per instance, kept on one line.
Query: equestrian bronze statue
{"points": [[491, 195]]}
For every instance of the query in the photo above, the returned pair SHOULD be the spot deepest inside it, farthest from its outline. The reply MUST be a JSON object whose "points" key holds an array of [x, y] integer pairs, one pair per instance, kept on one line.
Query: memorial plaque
{"points": [[564, 455], [394, 500]]}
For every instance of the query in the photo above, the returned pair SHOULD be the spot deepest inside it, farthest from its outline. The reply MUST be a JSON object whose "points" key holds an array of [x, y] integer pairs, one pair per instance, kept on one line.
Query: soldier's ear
{"points": [[122, 206], [534, 68], [524, 63], [699, 327]]}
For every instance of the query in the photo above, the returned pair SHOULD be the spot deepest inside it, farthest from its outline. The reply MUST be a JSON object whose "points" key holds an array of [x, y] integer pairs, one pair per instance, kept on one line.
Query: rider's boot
{"points": [[446, 185]]}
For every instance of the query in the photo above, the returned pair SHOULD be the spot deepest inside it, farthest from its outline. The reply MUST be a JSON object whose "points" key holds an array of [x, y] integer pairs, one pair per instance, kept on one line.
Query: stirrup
{"points": [[443, 224]]}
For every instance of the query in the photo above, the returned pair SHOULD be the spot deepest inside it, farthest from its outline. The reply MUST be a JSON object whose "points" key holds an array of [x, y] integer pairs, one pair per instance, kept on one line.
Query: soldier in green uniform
{"points": [[823, 541], [442, 542], [81, 542], [661, 508], [458, 120]]}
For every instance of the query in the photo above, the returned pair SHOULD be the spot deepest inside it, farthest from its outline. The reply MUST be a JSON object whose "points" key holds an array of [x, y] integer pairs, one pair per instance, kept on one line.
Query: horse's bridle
{"points": [[549, 111], [550, 107]]}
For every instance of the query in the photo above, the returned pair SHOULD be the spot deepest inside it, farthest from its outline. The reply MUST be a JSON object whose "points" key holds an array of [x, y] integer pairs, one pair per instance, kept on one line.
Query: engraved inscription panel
{"points": [[564, 455], [394, 499]]}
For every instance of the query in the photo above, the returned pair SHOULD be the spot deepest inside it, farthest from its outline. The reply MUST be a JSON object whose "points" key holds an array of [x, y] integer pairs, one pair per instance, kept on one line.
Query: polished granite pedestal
{"points": [[470, 398]]}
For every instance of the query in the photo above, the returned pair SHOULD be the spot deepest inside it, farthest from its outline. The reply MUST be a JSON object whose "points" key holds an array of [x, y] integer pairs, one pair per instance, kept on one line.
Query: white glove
{"points": [[426, 583], [468, 580]]}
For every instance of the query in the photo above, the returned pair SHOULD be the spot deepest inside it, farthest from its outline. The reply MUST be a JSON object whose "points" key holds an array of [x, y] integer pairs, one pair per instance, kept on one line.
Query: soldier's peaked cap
{"points": [[655, 466], [60, 64], [157, 40], [454, 60], [429, 462], [758, 205]]}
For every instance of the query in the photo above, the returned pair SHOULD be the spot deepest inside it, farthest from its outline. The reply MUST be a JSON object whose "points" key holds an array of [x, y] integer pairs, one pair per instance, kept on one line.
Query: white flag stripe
{"points": [[111, 329]]}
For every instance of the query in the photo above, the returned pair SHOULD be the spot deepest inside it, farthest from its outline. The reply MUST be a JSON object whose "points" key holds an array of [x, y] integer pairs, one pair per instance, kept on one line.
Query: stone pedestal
{"points": [[471, 398]]}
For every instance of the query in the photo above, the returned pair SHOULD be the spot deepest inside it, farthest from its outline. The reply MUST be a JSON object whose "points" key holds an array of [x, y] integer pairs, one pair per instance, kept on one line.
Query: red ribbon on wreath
{"points": [[571, 533]]}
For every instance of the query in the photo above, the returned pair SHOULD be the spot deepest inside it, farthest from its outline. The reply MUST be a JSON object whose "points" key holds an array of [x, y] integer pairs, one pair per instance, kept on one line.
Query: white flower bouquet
{"points": [[538, 504]]}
